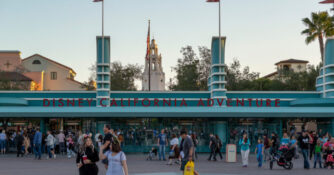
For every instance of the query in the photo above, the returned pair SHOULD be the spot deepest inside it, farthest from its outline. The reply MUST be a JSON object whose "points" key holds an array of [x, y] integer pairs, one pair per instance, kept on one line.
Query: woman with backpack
{"points": [[219, 146]]}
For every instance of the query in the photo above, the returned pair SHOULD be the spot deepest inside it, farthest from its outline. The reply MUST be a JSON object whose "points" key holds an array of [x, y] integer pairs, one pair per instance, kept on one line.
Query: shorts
{"points": [[2, 144], [183, 164]]}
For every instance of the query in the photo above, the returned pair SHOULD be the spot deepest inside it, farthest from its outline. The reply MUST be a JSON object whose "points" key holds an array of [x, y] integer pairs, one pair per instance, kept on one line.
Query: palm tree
{"points": [[319, 26]]}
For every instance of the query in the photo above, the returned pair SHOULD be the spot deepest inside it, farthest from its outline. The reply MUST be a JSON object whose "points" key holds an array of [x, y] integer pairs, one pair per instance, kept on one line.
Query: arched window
{"points": [[36, 62]]}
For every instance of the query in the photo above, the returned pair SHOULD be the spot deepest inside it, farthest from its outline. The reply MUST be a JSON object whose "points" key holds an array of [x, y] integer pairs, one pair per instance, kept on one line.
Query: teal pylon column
{"points": [[42, 125], [103, 71], [325, 82], [217, 81], [332, 126]]}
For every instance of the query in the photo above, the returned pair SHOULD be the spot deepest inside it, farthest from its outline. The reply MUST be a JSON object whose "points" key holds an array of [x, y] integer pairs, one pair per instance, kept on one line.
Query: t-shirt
{"points": [[162, 139], [244, 146], [174, 141], [186, 146], [259, 148], [61, 138], [106, 138], [317, 149], [304, 142], [2, 136], [293, 141], [115, 166], [285, 141]]}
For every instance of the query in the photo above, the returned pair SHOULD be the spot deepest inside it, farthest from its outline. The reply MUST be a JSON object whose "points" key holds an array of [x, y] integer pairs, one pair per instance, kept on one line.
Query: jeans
{"points": [[48, 148], [162, 150], [2, 145], [266, 154], [70, 152], [259, 158], [38, 150], [305, 156], [317, 158], [62, 147], [244, 155]]}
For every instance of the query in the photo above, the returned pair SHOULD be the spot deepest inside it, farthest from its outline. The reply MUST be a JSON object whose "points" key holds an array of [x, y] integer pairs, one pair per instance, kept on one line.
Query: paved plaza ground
{"points": [[10, 165]]}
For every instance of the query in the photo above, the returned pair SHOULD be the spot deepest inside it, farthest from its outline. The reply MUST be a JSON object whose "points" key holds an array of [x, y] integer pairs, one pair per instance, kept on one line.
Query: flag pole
{"points": [[220, 52], [103, 31], [149, 58]]}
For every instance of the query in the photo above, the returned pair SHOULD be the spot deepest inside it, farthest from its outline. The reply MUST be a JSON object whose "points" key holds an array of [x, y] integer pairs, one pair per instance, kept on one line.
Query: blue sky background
{"points": [[259, 32]]}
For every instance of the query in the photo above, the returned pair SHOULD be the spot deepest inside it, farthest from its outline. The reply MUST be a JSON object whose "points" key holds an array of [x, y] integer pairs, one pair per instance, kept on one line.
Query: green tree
{"points": [[319, 26], [238, 78], [122, 78], [204, 67], [187, 71]]}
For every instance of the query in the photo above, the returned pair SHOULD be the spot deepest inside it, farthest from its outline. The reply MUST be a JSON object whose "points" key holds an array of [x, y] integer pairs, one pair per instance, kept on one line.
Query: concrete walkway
{"points": [[10, 165]]}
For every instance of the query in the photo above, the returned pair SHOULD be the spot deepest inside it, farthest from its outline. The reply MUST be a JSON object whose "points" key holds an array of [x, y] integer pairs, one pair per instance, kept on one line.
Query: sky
{"points": [[259, 32]]}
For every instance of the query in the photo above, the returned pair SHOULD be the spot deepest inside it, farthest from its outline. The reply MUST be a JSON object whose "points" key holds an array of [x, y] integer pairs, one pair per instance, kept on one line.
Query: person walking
{"points": [[314, 137], [266, 144], [116, 158], [213, 147], [174, 149], [294, 146], [50, 142], [219, 146], [37, 143], [317, 154], [87, 157], [106, 143], [244, 143], [19, 144], [195, 140], [304, 141], [70, 146], [259, 150], [61, 140], [3, 143], [26, 144], [162, 141], [187, 153]]}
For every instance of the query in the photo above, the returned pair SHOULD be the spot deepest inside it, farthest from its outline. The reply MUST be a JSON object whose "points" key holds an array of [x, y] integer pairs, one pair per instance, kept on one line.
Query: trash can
{"points": [[231, 153]]}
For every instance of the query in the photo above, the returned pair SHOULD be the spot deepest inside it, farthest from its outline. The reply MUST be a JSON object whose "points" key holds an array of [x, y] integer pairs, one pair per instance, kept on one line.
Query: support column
{"points": [[42, 125], [216, 82], [103, 72], [332, 126]]}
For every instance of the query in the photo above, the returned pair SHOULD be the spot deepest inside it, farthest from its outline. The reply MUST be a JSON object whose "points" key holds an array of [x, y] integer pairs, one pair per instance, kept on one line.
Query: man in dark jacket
{"points": [[213, 147], [19, 143]]}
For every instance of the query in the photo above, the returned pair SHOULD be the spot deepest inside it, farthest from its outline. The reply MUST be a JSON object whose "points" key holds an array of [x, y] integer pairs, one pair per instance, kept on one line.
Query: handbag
{"points": [[172, 153], [189, 169]]}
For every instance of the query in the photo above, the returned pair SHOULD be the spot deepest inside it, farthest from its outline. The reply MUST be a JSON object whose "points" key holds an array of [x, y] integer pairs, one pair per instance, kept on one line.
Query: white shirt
{"points": [[174, 141]]}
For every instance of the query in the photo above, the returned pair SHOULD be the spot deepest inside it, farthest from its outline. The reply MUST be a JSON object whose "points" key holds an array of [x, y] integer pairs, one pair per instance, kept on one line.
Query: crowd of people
{"points": [[310, 144], [107, 147]]}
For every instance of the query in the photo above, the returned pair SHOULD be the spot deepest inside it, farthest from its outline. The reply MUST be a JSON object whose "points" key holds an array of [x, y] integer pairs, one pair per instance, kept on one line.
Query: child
{"points": [[259, 152], [317, 155]]}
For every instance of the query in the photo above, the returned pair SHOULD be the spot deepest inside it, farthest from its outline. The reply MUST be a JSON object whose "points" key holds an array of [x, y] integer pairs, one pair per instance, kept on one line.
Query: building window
{"points": [[53, 75], [36, 62]]}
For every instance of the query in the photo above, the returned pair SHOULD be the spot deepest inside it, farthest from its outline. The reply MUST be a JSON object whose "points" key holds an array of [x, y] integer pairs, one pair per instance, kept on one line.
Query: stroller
{"points": [[152, 154], [329, 159], [283, 158]]}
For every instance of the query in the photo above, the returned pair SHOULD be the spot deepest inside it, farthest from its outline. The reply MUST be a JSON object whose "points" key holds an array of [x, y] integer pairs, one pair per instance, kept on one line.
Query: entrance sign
{"points": [[160, 102]]}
